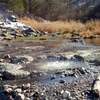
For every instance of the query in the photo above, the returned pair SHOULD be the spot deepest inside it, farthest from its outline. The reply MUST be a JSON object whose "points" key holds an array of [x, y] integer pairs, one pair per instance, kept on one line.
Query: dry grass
{"points": [[56, 26], [88, 29], [91, 28]]}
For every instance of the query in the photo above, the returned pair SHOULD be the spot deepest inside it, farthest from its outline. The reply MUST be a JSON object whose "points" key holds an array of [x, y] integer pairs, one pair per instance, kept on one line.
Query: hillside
{"points": [[53, 9]]}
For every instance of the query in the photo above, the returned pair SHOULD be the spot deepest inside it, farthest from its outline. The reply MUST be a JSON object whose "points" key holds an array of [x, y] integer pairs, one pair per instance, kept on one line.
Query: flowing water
{"points": [[54, 64]]}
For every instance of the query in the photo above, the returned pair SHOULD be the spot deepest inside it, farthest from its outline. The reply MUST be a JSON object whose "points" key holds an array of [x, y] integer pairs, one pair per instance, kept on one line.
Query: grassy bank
{"points": [[88, 29]]}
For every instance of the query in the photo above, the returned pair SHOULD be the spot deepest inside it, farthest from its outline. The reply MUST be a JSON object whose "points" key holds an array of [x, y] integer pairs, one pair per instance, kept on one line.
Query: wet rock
{"points": [[15, 74], [63, 58], [35, 96], [62, 81], [20, 96], [70, 72], [58, 72], [52, 57], [37, 74], [62, 75], [7, 56], [21, 59], [52, 77], [78, 57], [56, 57], [82, 70]]}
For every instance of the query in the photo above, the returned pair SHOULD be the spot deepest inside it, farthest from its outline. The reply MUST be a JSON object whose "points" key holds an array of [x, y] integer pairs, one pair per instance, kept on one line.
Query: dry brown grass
{"points": [[91, 28], [86, 33], [87, 29], [56, 26]]}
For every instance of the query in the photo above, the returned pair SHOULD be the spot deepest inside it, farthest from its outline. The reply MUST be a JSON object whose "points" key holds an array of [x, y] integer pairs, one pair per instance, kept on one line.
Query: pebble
{"points": [[62, 81]]}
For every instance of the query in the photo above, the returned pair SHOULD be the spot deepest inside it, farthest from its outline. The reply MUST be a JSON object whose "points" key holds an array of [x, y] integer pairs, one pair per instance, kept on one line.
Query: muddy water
{"points": [[95, 41]]}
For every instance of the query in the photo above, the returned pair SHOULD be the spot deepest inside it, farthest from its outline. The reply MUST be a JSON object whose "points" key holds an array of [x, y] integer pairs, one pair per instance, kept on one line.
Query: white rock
{"points": [[9, 90], [25, 86], [6, 86], [65, 94], [96, 86], [8, 66], [62, 91], [12, 74], [27, 99], [18, 90], [28, 85]]}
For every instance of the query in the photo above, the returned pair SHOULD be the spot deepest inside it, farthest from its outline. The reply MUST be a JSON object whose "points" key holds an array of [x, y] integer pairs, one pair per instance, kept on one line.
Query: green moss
{"points": [[32, 38]]}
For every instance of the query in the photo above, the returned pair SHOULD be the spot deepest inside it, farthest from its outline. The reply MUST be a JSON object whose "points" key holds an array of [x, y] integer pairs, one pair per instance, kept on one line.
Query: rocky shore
{"points": [[76, 90]]}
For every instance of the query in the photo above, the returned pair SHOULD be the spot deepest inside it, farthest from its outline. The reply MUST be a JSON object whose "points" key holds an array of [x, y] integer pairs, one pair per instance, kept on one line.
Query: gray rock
{"points": [[52, 77], [62, 81], [21, 59], [78, 57], [13, 74], [20, 97]]}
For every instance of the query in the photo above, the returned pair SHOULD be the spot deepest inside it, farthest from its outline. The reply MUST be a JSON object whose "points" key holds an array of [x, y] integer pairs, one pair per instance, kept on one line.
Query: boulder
{"points": [[78, 57], [15, 74], [96, 87], [8, 66]]}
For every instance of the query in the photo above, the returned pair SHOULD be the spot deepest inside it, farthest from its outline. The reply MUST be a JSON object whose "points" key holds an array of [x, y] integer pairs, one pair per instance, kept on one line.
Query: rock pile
{"points": [[76, 90], [11, 33]]}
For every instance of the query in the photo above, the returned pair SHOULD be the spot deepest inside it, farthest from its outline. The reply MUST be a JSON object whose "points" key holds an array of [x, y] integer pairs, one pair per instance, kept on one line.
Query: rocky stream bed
{"points": [[48, 70]]}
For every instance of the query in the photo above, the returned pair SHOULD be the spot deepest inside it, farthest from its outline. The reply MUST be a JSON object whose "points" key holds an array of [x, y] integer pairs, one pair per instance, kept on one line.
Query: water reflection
{"points": [[95, 41]]}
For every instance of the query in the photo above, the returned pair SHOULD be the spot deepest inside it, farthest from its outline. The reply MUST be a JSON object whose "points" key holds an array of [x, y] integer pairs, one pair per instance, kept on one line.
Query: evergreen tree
{"points": [[34, 6], [16, 5]]}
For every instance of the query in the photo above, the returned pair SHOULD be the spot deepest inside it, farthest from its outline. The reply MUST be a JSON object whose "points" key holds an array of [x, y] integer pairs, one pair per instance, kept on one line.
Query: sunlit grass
{"points": [[90, 28], [55, 26]]}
